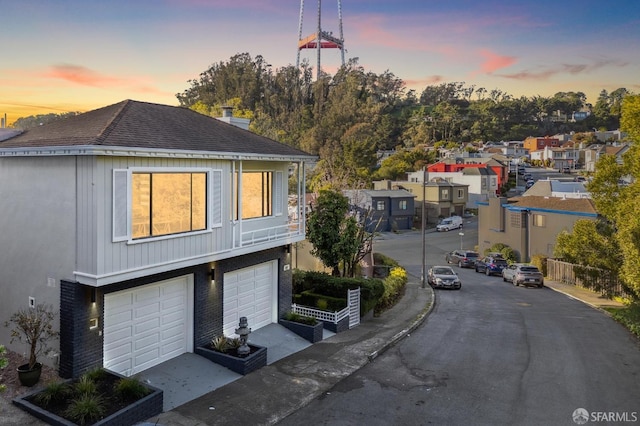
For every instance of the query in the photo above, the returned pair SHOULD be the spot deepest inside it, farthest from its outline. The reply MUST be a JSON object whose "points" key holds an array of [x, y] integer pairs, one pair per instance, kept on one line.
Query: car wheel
{"points": [[515, 282]]}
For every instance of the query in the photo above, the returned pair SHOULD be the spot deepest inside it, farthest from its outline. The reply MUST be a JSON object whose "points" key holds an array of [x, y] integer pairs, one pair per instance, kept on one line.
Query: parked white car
{"points": [[453, 222]]}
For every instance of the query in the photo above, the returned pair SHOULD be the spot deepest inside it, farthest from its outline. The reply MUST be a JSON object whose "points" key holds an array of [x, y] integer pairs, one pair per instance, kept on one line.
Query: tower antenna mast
{"points": [[320, 39]]}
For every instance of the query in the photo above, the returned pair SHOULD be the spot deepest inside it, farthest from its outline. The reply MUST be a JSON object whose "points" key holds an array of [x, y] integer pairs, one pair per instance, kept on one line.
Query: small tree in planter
{"points": [[33, 326]]}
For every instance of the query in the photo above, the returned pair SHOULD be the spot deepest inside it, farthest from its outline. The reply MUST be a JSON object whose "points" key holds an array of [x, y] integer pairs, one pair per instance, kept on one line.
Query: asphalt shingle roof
{"points": [[134, 124]]}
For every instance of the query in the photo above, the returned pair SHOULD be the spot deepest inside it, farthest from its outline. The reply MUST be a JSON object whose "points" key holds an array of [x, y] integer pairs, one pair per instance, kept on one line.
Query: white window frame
{"points": [[121, 199]]}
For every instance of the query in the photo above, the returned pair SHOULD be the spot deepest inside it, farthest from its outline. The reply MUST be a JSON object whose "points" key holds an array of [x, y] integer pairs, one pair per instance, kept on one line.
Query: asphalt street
{"points": [[489, 354]]}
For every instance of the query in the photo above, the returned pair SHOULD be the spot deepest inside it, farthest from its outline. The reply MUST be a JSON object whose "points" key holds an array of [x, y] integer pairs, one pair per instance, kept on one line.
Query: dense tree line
{"points": [[612, 244], [348, 117], [24, 123]]}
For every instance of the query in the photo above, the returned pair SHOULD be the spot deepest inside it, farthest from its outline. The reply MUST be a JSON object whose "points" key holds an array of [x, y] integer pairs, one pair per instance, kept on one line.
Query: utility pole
{"points": [[424, 226]]}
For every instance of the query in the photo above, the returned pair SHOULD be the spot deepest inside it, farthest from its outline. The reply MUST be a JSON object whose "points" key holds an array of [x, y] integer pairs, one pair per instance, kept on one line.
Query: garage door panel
{"points": [[147, 325], [250, 293]]}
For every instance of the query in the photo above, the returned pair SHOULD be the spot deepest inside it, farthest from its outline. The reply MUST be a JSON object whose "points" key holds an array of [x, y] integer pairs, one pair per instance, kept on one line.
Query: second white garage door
{"points": [[252, 293], [148, 325]]}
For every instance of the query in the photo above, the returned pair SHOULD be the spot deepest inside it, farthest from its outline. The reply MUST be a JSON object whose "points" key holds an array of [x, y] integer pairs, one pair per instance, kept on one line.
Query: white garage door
{"points": [[148, 325], [252, 293]]}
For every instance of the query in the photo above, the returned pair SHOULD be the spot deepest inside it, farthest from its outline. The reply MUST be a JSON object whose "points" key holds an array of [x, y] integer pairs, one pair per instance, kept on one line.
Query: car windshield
{"points": [[443, 271]]}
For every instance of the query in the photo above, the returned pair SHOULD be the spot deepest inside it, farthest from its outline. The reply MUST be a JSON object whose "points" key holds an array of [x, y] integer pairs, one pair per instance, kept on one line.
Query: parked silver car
{"points": [[522, 273], [443, 277]]}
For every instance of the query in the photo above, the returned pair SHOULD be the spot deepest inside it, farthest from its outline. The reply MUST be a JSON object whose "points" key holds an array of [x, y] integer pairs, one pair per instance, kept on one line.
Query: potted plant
{"points": [[33, 326]]}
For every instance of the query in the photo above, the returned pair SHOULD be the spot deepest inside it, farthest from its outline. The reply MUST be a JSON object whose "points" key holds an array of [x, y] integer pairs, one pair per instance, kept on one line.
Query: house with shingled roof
{"points": [[529, 224], [150, 228]]}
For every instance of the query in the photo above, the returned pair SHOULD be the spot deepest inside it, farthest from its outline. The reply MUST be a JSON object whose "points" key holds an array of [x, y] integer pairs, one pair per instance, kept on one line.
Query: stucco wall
{"points": [[37, 233]]}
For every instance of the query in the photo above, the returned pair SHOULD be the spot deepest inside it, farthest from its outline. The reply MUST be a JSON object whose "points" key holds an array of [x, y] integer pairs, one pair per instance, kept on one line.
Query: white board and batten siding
{"points": [[105, 248], [252, 293], [148, 325]]}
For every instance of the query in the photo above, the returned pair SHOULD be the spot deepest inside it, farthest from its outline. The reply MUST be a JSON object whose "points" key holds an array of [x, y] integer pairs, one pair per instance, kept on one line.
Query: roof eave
{"points": [[92, 150]]}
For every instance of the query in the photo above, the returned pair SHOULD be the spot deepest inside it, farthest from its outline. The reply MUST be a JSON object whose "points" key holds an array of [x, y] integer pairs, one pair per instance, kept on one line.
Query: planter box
{"points": [[312, 333], [339, 327], [141, 410], [241, 365]]}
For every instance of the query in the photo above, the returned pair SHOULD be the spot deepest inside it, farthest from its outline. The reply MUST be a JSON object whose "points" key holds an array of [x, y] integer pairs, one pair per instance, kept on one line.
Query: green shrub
{"points": [[507, 252], [85, 385], [540, 260], [130, 389], [96, 374], [53, 392], [224, 344], [629, 316], [302, 319], [381, 259], [394, 286], [322, 304], [220, 344], [320, 285], [86, 409]]}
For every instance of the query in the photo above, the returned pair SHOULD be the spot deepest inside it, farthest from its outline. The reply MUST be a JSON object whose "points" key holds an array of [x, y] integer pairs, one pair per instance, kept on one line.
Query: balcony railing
{"points": [[282, 232]]}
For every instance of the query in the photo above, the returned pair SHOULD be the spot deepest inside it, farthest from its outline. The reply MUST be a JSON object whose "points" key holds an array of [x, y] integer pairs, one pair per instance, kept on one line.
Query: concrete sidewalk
{"points": [[589, 297]]}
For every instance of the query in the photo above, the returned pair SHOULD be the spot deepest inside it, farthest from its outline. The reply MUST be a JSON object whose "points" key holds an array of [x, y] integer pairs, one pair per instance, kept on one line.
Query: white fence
{"points": [[352, 311], [320, 315]]}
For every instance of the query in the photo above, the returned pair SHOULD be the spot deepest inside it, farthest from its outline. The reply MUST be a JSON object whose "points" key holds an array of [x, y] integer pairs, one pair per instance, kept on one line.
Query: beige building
{"points": [[529, 225]]}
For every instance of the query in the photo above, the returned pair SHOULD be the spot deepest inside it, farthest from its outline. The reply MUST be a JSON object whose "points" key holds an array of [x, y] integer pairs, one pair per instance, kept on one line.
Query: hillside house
{"points": [[151, 229]]}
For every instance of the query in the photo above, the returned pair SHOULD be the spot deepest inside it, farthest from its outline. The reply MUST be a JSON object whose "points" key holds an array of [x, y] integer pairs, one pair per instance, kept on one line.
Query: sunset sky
{"points": [[78, 55]]}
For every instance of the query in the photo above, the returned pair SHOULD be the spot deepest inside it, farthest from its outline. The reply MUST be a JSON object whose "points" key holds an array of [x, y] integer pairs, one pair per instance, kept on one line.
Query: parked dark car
{"points": [[443, 277], [462, 258], [491, 265], [520, 273]]}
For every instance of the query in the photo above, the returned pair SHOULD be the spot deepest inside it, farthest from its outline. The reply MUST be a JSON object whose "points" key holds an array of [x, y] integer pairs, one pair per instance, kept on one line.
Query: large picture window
{"points": [[168, 203], [257, 195]]}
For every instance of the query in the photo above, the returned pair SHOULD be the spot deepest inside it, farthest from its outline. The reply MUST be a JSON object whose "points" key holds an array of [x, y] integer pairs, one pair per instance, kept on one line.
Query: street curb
{"points": [[405, 332]]}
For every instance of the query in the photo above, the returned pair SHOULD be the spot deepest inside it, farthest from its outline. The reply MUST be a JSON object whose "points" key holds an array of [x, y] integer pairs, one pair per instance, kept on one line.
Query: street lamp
{"points": [[461, 235]]}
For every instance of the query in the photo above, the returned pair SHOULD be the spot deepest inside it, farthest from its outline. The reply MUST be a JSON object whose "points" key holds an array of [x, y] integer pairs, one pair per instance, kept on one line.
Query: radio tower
{"points": [[320, 39]]}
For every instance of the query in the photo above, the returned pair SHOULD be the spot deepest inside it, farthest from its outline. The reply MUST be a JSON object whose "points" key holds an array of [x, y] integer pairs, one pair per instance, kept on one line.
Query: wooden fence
{"points": [[601, 281]]}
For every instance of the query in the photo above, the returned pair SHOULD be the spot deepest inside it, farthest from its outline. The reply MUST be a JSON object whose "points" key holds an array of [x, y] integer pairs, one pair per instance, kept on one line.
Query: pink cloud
{"points": [[80, 75], [493, 62], [423, 82]]}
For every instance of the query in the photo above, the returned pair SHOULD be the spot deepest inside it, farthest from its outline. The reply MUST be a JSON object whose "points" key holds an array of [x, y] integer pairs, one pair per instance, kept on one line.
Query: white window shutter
{"points": [[216, 198], [277, 194], [120, 208]]}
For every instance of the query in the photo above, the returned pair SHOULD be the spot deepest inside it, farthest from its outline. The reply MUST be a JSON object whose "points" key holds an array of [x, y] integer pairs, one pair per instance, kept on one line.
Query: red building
{"points": [[459, 164]]}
